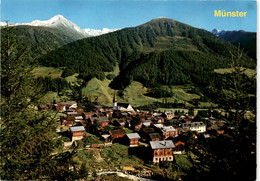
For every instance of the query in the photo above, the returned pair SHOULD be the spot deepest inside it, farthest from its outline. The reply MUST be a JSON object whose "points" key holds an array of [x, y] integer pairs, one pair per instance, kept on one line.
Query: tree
{"points": [[230, 157], [136, 120], [97, 123], [191, 111], [28, 136], [77, 95]]}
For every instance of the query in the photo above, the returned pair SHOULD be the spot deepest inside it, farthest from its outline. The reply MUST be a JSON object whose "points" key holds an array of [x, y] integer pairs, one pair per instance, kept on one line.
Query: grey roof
{"points": [[121, 122], [78, 117], [154, 135], [100, 119], [148, 130], [146, 123], [77, 128], [168, 129], [193, 124], [72, 113], [158, 125], [117, 132], [105, 136], [206, 135], [162, 144], [103, 119], [133, 135]]}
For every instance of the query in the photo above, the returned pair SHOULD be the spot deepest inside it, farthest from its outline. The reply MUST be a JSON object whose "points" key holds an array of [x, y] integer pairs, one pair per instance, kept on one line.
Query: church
{"points": [[121, 106]]}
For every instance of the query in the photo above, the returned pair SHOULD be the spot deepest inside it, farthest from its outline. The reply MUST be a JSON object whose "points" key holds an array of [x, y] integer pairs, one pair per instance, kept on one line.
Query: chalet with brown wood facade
{"points": [[168, 115], [67, 121], [162, 150], [147, 123], [144, 132], [154, 137], [180, 143], [179, 147], [169, 132], [102, 120], [133, 139], [77, 132], [63, 106], [87, 115], [120, 133], [157, 120]]}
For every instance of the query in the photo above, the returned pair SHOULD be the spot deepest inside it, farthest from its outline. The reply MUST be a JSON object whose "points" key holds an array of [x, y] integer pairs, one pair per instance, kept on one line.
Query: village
{"points": [[163, 134]]}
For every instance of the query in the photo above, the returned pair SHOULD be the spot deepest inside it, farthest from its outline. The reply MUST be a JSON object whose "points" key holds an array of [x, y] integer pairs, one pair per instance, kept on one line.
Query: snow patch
{"points": [[93, 32]]}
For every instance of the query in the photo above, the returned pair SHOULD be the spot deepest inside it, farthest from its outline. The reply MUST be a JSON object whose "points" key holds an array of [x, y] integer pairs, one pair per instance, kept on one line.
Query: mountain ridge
{"points": [[60, 22], [159, 52], [41, 37], [244, 39]]}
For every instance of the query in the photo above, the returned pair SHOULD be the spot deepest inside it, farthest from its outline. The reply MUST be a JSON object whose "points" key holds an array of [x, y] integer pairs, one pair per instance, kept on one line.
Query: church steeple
{"points": [[115, 102]]}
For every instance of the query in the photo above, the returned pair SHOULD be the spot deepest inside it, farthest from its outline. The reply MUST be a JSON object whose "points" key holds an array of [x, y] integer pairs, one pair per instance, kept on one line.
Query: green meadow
{"points": [[99, 91]]}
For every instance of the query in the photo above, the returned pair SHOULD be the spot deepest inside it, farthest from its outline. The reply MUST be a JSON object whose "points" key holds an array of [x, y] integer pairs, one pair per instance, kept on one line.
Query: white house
{"points": [[200, 127]]}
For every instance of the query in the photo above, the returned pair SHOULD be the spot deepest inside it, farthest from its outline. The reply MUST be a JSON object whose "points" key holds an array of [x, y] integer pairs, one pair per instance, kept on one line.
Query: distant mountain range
{"points": [[61, 23], [246, 40], [162, 51], [41, 37]]}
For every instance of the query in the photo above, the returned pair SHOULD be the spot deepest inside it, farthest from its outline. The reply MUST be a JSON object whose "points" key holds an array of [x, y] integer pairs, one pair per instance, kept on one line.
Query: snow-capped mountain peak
{"points": [[161, 17], [54, 20], [218, 32], [58, 18], [60, 22], [215, 31]]}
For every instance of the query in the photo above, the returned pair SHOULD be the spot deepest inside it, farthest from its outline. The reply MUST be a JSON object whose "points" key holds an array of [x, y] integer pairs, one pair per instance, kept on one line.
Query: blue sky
{"points": [[98, 14]]}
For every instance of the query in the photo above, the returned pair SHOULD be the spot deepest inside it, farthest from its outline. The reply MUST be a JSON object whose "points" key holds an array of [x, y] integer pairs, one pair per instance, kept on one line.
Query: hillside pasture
{"points": [[247, 71], [47, 72]]}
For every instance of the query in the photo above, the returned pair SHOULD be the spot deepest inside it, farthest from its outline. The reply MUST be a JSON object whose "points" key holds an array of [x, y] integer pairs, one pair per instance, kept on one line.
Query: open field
{"points": [[99, 91], [135, 93], [168, 42], [50, 96], [72, 78], [248, 72], [47, 72]]}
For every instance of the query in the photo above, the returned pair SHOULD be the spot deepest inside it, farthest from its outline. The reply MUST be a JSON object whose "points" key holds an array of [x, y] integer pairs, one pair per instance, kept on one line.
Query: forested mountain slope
{"points": [[246, 40], [160, 52], [38, 40]]}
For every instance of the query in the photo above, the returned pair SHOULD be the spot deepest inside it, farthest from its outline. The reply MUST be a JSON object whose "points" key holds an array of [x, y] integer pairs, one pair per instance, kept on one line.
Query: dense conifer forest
{"points": [[160, 52]]}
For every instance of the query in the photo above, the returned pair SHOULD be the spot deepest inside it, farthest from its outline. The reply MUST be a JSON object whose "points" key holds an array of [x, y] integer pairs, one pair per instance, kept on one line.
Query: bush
{"points": [[80, 143], [65, 139], [91, 140], [159, 93]]}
